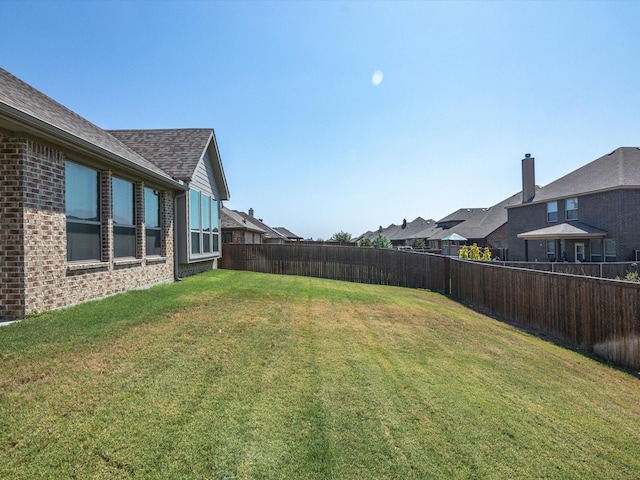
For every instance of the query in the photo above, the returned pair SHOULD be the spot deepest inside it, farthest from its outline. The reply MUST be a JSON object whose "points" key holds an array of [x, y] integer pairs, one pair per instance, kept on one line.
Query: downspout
{"points": [[176, 277]]}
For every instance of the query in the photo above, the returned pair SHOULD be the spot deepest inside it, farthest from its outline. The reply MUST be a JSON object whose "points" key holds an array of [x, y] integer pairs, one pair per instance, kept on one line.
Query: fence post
{"points": [[447, 275]]}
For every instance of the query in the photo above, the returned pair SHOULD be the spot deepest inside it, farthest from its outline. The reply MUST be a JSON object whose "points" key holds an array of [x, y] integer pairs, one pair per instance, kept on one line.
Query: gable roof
{"points": [[618, 169], [564, 230], [177, 151], [287, 233], [269, 233], [32, 111], [232, 220], [460, 215]]}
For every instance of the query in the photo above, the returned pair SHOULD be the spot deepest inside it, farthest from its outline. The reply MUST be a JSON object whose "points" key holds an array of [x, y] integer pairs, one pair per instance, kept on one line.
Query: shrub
{"points": [[381, 242], [341, 237]]}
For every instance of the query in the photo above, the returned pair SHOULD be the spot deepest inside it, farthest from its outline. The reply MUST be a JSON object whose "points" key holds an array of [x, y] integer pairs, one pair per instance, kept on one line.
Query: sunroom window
{"points": [[82, 200], [204, 224], [152, 226], [124, 221], [572, 208]]}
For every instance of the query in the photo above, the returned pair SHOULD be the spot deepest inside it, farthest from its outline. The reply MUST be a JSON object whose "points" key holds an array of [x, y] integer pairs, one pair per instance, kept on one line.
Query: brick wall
{"points": [[11, 229], [34, 273]]}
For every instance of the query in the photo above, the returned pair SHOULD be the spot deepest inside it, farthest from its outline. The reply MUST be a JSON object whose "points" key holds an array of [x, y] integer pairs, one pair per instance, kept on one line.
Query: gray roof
{"points": [[618, 169], [564, 230], [287, 233], [460, 215], [269, 233], [484, 222], [232, 220], [418, 228], [30, 110], [177, 151]]}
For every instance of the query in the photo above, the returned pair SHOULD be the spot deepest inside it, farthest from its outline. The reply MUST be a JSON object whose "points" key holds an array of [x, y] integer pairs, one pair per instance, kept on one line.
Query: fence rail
{"points": [[596, 315]]}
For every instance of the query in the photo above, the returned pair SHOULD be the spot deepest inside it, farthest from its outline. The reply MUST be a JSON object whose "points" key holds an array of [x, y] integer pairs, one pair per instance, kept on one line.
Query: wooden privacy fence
{"points": [[352, 264], [596, 315]]}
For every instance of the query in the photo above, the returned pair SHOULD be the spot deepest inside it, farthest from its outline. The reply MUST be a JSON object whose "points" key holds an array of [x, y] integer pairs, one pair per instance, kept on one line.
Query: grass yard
{"points": [[237, 375]]}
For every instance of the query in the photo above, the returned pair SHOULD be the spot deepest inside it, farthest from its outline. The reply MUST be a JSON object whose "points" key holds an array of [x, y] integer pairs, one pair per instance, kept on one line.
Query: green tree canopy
{"points": [[341, 237]]}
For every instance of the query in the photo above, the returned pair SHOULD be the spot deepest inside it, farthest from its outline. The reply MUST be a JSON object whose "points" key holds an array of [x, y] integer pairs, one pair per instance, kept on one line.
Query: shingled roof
{"points": [[618, 169], [30, 110], [232, 220]]}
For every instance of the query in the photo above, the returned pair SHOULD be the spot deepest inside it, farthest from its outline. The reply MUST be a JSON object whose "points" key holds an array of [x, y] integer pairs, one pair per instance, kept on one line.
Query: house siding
{"points": [[34, 273]]}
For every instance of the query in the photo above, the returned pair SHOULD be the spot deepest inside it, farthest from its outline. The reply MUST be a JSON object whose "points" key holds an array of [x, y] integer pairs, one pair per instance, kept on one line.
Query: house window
{"points": [[572, 208], [204, 221], [124, 221], [82, 200], [595, 250], [206, 224], [609, 250], [215, 226], [551, 250], [152, 226], [552, 211], [194, 220]]}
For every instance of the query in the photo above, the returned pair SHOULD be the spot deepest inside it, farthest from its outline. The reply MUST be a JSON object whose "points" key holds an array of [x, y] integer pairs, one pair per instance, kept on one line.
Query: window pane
{"points": [[610, 250], [123, 202], [551, 249], [153, 242], [151, 208], [83, 241], [596, 250], [206, 242], [572, 209], [206, 213], [195, 242], [124, 241], [552, 211], [194, 201], [215, 217], [81, 196]]}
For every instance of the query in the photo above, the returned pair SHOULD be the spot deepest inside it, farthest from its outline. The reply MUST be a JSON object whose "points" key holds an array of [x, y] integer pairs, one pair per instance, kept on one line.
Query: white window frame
{"points": [[571, 213]]}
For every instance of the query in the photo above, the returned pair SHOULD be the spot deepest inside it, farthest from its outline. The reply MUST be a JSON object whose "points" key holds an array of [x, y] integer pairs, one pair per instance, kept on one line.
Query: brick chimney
{"points": [[528, 178], [251, 212]]}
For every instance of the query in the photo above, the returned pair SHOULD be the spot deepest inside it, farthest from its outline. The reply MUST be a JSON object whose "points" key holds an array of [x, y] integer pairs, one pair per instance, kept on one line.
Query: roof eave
{"points": [[49, 132]]}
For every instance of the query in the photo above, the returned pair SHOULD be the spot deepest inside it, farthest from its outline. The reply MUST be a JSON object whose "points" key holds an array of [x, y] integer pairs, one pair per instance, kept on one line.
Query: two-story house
{"points": [[589, 214]]}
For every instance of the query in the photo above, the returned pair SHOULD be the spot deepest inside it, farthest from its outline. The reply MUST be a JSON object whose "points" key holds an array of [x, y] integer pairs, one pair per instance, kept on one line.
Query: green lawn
{"points": [[237, 375]]}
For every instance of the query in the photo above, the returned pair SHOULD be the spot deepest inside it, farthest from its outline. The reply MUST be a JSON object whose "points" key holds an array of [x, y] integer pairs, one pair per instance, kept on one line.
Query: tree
{"points": [[381, 242], [341, 237], [464, 252], [364, 242], [418, 243]]}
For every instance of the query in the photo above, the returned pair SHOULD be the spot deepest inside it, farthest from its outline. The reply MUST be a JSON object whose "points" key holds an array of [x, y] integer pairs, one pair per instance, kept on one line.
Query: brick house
{"points": [[237, 229], [83, 215], [589, 214]]}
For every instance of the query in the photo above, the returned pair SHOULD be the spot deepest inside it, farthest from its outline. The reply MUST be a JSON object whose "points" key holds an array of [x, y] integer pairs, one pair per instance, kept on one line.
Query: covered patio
{"points": [[574, 242]]}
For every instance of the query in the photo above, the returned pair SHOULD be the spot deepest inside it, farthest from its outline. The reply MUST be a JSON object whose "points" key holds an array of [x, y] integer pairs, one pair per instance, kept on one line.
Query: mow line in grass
{"points": [[243, 375]]}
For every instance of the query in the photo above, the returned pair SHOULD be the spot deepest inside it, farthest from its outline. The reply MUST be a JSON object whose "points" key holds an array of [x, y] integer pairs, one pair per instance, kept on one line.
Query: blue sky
{"points": [[307, 138]]}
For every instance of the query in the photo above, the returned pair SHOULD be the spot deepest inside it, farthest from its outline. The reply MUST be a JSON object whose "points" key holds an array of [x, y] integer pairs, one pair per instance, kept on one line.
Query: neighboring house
{"points": [[83, 215], [270, 235], [588, 215], [237, 229], [288, 234], [191, 156], [446, 224], [410, 232], [487, 227]]}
